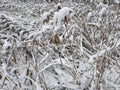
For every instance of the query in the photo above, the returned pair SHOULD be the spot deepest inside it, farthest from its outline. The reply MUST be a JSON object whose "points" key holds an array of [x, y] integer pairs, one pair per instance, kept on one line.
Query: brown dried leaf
{"points": [[55, 40]]}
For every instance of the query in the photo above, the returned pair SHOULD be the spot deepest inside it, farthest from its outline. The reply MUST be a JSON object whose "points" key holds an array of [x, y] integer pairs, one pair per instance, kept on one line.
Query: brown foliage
{"points": [[55, 39], [46, 20]]}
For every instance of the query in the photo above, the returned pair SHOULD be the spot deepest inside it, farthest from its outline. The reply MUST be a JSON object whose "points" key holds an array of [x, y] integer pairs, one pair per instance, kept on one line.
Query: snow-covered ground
{"points": [[60, 46]]}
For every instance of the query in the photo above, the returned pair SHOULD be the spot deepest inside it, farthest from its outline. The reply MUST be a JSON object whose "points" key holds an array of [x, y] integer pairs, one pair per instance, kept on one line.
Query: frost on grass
{"points": [[84, 54], [62, 16]]}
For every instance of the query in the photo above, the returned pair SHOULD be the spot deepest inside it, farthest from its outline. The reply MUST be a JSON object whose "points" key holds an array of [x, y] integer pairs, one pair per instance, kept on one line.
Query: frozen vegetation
{"points": [[59, 45]]}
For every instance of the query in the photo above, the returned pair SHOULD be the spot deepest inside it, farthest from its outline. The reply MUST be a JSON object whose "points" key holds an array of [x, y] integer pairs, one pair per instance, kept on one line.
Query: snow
{"points": [[6, 46], [45, 16], [117, 1], [90, 14], [60, 16], [88, 52], [102, 11], [57, 7]]}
